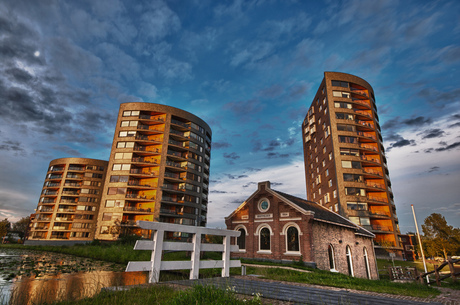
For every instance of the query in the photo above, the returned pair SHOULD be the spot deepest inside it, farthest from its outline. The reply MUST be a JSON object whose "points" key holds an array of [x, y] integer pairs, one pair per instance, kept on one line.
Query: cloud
{"points": [[449, 147], [272, 155], [231, 157], [432, 133], [244, 108], [433, 169], [219, 145]]}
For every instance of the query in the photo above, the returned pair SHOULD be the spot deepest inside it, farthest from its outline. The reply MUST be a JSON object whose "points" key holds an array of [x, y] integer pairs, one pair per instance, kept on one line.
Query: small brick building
{"points": [[280, 227]]}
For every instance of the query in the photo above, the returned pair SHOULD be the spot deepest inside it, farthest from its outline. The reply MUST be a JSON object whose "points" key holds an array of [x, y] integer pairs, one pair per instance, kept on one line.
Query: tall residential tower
{"points": [[158, 170], [345, 165]]}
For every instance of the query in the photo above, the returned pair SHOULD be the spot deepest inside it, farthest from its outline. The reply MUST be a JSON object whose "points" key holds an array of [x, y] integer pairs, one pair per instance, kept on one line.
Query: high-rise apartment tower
{"points": [[69, 202], [158, 170], [345, 165]]}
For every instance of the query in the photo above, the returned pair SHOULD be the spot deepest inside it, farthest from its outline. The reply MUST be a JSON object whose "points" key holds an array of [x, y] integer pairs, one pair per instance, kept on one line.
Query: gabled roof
{"points": [[322, 214]]}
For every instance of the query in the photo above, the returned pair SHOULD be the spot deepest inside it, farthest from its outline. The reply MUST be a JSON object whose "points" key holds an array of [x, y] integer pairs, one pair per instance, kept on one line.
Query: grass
{"points": [[160, 294]]}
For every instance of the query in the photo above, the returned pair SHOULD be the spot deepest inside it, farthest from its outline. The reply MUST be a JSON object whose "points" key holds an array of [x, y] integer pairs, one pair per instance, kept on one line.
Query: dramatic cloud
{"points": [[219, 145], [432, 133], [231, 157]]}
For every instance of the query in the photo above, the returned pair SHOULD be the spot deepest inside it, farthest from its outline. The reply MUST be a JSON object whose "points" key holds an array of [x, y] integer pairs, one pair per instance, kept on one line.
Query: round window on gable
{"points": [[264, 205]]}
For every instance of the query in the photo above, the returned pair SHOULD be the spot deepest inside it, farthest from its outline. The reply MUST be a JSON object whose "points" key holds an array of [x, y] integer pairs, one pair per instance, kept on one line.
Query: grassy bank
{"points": [[122, 253]]}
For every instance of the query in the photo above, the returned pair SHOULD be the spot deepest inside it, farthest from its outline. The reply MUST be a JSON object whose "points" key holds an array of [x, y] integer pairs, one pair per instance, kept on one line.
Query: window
{"points": [[292, 241], [352, 178], [123, 155], [334, 193], [349, 152], [129, 133], [131, 113], [341, 94], [319, 191], [264, 238], [119, 178], [336, 207], [329, 182], [122, 167], [264, 205], [337, 83], [343, 105], [366, 263], [323, 163], [330, 156], [349, 261], [318, 179], [324, 149], [125, 144], [354, 191], [357, 206], [344, 139], [241, 240], [327, 198], [105, 230], [330, 252], [344, 127], [114, 203], [351, 164], [107, 216], [344, 116], [129, 123], [327, 172], [116, 190], [321, 141]]}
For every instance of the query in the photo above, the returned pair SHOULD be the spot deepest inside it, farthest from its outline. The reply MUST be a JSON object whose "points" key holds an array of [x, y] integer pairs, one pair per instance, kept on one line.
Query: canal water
{"points": [[33, 277]]}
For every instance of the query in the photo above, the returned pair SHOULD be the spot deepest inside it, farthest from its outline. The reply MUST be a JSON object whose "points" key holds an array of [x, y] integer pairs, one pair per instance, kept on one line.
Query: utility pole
{"points": [[420, 243]]}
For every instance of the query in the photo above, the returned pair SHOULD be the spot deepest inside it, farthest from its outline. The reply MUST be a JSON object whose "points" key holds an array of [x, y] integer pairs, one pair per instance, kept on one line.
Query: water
{"points": [[31, 277]]}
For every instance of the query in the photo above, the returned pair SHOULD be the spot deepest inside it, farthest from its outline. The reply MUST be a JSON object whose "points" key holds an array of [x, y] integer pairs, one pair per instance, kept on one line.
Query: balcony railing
{"points": [[366, 135], [139, 171], [136, 183], [53, 184], [175, 164], [136, 209], [172, 175], [148, 138], [359, 91], [144, 160], [146, 148], [50, 193], [72, 184], [67, 210], [360, 112], [129, 223], [68, 201], [45, 210], [57, 169], [370, 159], [75, 168], [372, 171], [362, 102], [55, 177], [175, 153], [379, 213], [376, 185], [379, 199], [151, 117], [137, 196], [176, 122], [368, 147], [63, 219], [70, 193], [381, 228], [49, 201], [74, 176]]}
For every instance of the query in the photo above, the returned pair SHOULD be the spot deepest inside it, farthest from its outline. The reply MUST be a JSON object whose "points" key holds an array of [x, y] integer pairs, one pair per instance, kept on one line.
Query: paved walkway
{"points": [[297, 294]]}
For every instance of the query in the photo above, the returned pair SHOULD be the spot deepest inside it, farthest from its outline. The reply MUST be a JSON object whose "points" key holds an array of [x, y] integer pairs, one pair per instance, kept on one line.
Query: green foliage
{"points": [[5, 227], [440, 239], [22, 227]]}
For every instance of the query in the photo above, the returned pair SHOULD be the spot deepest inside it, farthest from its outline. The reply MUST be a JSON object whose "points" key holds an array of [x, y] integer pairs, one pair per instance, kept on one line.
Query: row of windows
{"points": [[349, 260], [264, 233]]}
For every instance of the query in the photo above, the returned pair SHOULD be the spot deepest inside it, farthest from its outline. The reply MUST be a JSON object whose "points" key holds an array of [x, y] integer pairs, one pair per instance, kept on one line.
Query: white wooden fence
{"points": [[157, 245]]}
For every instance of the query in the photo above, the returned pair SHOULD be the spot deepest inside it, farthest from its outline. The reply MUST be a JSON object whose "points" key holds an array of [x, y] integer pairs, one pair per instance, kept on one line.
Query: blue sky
{"points": [[248, 68]]}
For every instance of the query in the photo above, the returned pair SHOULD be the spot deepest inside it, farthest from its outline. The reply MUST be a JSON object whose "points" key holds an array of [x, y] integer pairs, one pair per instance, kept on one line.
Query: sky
{"points": [[250, 69]]}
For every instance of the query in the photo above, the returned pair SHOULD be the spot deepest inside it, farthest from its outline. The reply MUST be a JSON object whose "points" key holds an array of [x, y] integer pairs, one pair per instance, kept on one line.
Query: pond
{"points": [[33, 277]]}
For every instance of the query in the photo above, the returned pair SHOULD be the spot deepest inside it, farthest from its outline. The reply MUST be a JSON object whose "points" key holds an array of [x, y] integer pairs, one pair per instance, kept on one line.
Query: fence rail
{"points": [[450, 262], [157, 245]]}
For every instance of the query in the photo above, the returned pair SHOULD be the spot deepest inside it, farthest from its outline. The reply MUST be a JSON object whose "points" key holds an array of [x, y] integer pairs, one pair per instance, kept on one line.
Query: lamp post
{"points": [[420, 243]]}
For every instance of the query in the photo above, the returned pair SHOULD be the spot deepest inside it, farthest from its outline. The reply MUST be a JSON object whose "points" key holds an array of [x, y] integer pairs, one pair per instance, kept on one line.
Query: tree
{"points": [[22, 227], [440, 238], [5, 227]]}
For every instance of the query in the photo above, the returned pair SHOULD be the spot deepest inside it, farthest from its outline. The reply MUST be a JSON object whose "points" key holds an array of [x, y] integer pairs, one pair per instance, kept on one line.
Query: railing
{"points": [[137, 196], [380, 199], [74, 176], [366, 135], [450, 262], [172, 175], [175, 164], [179, 123], [58, 169], [367, 147], [55, 177], [175, 153], [150, 117], [49, 201], [70, 193], [136, 209], [379, 213], [370, 159], [136, 183], [143, 160], [381, 228], [157, 245], [45, 210], [148, 138], [74, 168], [374, 172], [362, 113], [139, 171], [72, 184], [377, 185], [364, 123]]}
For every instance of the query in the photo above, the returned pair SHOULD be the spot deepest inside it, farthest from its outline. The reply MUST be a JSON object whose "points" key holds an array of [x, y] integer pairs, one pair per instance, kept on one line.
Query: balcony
{"points": [[73, 193], [49, 201], [176, 122], [177, 143], [382, 228], [74, 176], [129, 223], [55, 177], [175, 164], [367, 146], [144, 160], [41, 228], [68, 201], [75, 168], [46, 210], [379, 213], [57, 169], [379, 199], [151, 117], [173, 175], [173, 187], [363, 113], [136, 209], [375, 185], [137, 183], [373, 172], [148, 138], [366, 135], [142, 172], [75, 184], [50, 193], [150, 128], [63, 219], [146, 149], [137, 196], [365, 158], [67, 210]]}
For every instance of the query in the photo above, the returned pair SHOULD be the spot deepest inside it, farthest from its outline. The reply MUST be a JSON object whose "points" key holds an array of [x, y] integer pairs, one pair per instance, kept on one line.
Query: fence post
{"points": [[154, 274], [452, 270], [226, 257], [436, 273], [194, 272]]}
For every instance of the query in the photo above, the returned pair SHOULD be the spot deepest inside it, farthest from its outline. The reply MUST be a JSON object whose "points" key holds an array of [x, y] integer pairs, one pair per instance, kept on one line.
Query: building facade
{"points": [[158, 170], [69, 202], [345, 166], [276, 226]]}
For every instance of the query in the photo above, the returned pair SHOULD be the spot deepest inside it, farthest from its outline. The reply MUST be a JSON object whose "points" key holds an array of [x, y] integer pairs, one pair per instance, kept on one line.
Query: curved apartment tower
{"points": [[345, 165], [69, 202], [158, 170]]}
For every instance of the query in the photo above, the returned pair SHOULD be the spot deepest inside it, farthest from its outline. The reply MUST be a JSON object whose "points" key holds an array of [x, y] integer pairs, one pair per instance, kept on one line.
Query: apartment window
{"points": [[316, 159], [327, 172], [327, 198], [123, 155], [329, 182], [324, 101], [114, 203], [344, 127], [320, 107], [324, 149], [344, 116], [355, 191], [334, 193], [324, 125], [318, 179], [129, 133], [129, 123], [352, 178], [344, 139], [311, 165], [357, 206], [131, 113], [125, 144], [116, 190], [349, 152], [106, 216], [317, 170], [337, 83], [321, 141], [314, 195], [325, 110], [121, 167], [324, 163], [336, 207], [330, 156], [343, 105], [319, 121], [341, 94], [321, 201], [316, 148], [319, 191], [351, 164], [119, 178]]}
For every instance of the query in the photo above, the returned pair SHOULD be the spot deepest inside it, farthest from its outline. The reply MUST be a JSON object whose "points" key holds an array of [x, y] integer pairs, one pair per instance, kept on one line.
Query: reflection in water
{"points": [[31, 290]]}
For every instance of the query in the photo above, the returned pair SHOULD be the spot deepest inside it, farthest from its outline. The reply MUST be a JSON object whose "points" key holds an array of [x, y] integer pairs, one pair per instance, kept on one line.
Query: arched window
{"points": [[292, 239], [330, 252], [366, 263], [349, 261], [241, 240], [264, 238]]}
